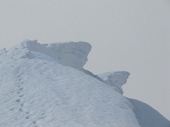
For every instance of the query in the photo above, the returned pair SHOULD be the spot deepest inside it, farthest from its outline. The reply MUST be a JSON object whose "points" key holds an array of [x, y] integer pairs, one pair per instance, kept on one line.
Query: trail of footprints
{"points": [[19, 100]]}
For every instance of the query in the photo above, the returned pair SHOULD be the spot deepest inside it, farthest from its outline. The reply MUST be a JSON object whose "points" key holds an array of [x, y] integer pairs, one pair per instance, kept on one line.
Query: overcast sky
{"points": [[126, 35]]}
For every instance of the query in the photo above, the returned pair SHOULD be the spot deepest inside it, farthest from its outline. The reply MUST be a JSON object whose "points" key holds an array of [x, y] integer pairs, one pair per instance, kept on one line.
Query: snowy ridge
{"points": [[45, 85], [116, 79], [68, 53], [36, 90]]}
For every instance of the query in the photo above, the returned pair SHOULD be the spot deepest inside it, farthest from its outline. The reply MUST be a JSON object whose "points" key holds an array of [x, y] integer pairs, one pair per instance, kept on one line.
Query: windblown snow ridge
{"points": [[73, 54], [38, 91]]}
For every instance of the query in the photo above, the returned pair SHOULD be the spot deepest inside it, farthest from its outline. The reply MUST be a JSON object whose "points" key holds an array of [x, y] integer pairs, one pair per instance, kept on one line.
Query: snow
{"points": [[36, 90], [116, 79], [2, 51], [147, 116], [41, 93], [45, 85], [68, 53]]}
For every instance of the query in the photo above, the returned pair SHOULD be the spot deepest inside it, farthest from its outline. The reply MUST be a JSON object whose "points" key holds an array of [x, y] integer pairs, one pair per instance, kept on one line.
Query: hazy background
{"points": [[131, 35]]}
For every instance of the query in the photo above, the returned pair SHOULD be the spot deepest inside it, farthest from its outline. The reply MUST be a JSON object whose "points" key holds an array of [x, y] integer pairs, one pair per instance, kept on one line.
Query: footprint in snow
{"points": [[21, 89], [18, 100], [34, 122], [12, 109], [12, 92], [27, 117], [27, 112], [20, 109], [21, 95]]}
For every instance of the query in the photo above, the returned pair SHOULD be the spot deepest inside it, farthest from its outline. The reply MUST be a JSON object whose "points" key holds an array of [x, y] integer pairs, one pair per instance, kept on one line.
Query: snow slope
{"points": [[147, 116], [36, 90]]}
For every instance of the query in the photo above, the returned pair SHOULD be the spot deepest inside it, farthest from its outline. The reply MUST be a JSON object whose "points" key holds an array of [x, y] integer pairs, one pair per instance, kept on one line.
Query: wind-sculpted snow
{"points": [[72, 54], [147, 116], [69, 53], [116, 79], [36, 90]]}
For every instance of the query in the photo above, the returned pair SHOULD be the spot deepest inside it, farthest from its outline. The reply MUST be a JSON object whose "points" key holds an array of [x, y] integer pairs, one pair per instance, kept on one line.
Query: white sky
{"points": [[126, 35]]}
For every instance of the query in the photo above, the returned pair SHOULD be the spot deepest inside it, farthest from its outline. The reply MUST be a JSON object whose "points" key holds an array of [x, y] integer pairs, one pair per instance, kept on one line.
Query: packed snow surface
{"points": [[45, 85], [36, 90]]}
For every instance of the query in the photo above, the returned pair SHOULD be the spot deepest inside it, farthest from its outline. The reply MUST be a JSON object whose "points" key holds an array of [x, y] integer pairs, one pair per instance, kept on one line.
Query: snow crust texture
{"points": [[36, 90]]}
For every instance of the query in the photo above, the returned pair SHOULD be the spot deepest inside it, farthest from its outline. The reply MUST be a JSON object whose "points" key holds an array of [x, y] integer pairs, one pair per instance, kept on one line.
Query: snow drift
{"points": [[45, 85]]}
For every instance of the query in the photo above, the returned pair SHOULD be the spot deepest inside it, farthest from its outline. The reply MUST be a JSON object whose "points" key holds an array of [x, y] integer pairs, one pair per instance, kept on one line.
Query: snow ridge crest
{"points": [[73, 54]]}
